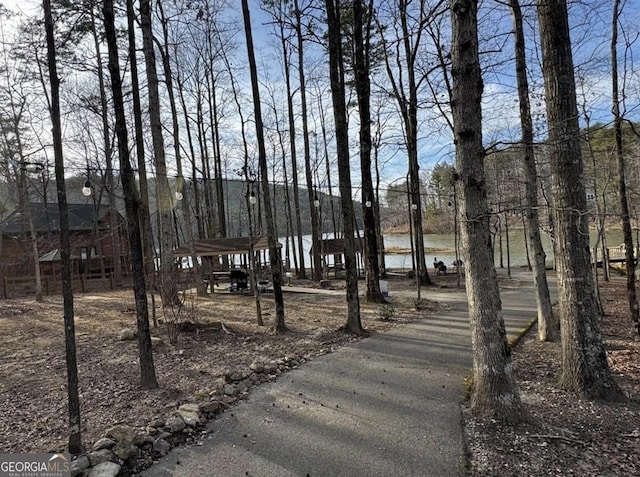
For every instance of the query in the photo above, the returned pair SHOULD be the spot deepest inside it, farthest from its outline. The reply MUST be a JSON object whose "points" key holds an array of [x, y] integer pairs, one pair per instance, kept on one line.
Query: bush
{"points": [[420, 303], [387, 312]]}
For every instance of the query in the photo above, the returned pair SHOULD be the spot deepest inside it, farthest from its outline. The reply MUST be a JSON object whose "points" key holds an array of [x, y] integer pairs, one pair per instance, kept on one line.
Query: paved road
{"points": [[385, 406]]}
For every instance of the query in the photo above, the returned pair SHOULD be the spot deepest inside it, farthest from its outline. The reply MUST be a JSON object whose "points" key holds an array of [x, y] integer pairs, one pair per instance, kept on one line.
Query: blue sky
{"points": [[591, 21]]}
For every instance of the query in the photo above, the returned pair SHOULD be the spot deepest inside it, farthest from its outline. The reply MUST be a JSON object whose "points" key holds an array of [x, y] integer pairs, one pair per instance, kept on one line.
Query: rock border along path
{"points": [[385, 406]]}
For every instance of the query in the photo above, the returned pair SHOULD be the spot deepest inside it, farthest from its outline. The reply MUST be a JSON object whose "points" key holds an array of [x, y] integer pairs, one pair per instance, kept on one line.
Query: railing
{"points": [[619, 252], [613, 254], [13, 287]]}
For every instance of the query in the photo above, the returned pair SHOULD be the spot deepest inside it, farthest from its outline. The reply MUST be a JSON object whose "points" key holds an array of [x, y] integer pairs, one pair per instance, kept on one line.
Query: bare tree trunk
{"points": [[407, 100], [601, 240], [145, 219], [287, 199], [169, 290], [353, 324], [363, 88], [276, 9], [315, 224], [411, 131], [36, 256], [327, 163], [250, 201], [217, 159], [584, 359], [192, 160], [274, 252], [24, 201], [290, 251], [249, 196], [25, 208], [206, 174], [547, 329], [629, 252], [376, 202], [495, 392], [181, 189], [147, 369], [302, 272], [73, 395], [108, 154]]}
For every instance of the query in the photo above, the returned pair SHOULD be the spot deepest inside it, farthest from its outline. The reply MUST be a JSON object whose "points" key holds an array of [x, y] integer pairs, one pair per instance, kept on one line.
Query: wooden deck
{"points": [[615, 255]]}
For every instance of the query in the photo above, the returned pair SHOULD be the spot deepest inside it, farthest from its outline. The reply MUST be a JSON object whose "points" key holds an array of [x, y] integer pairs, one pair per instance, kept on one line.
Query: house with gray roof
{"points": [[91, 240]]}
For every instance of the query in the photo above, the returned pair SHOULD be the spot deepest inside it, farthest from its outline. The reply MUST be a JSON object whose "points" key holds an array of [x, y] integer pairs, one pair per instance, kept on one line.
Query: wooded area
{"points": [[179, 121]]}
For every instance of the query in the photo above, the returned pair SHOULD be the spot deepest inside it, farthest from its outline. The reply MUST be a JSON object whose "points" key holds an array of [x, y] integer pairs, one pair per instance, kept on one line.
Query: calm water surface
{"points": [[442, 247]]}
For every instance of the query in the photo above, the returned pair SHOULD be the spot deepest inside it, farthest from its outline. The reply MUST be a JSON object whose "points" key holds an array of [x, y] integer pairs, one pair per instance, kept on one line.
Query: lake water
{"points": [[442, 247]]}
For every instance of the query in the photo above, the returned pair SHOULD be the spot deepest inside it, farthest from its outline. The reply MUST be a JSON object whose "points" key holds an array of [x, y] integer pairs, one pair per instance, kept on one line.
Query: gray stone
{"points": [[152, 431], [106, 469], [161, 446], [155, 341], [231, 390], [212, 407], [142, 438], [191, 419], [104, 443], [190, 413], [235, 375], [79, 465], [125, 450], [189, 407], [217, 387], [270, 367], [229, 400], [176, 424], [100, 456], [122, 433], [128, 335], [257, 366], [157, 422], [255, 378]]}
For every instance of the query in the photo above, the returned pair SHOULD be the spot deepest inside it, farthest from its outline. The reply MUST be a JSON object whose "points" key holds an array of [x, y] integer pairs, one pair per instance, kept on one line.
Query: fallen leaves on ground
{"points": [[561, 434], [220, 334]]}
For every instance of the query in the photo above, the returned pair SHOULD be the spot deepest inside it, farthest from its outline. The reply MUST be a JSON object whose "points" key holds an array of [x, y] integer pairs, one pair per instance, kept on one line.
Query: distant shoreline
{"points": [[406, 251]]}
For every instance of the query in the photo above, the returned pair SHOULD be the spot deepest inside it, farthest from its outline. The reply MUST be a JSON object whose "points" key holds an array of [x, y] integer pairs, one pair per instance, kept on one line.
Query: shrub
{"points": [[387, 312], [420, 303]]}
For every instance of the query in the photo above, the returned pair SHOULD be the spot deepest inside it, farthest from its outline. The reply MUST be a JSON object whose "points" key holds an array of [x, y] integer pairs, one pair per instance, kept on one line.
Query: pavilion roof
{"points": [[223, 246]]}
